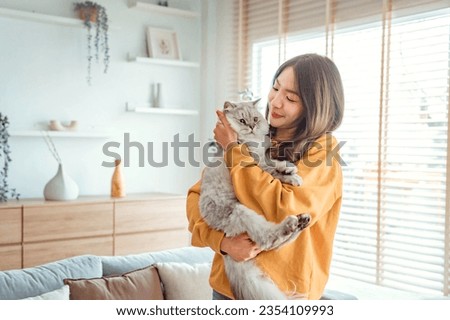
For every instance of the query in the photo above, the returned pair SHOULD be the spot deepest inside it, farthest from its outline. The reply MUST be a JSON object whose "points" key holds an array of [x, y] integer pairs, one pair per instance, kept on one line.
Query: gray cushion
{"points": [[29, 282], [122, 264]]}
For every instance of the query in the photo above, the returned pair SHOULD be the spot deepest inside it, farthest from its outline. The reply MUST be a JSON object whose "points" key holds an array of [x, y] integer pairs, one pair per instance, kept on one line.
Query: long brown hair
{"points": [[319, 86]]}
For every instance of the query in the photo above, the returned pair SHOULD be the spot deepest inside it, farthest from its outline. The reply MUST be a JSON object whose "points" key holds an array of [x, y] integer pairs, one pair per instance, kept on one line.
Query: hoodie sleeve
{"points": [[320, 170], [202, 234]]}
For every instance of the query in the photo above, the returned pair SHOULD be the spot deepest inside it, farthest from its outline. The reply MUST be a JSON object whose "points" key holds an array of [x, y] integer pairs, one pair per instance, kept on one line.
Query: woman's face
{"points": [[285, 105]]}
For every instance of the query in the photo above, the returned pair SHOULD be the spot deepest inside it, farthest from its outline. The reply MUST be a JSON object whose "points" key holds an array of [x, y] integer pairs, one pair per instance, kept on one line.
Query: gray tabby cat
{"points": [[222, 211]]}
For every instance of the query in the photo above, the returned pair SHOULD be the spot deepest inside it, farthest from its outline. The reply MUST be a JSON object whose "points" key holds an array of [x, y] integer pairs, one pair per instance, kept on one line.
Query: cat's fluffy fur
{"points": [[222, 211]]}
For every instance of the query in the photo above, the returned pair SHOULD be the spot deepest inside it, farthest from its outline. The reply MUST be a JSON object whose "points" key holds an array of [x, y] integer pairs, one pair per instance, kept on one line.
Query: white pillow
{"points": [[62, 293], [182, 281]]}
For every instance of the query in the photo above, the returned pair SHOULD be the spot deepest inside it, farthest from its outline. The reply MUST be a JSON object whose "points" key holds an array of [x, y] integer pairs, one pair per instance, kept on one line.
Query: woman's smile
{"points": [[276, 115]]}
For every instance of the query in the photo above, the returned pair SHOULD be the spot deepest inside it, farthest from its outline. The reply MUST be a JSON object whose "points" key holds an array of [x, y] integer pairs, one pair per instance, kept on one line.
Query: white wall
{"points": [[43, 77], [220, 55]]}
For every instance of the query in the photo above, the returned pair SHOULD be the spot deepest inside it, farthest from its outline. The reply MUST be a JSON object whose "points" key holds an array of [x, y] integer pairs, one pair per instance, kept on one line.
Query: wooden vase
{"points": [[117, 182]]}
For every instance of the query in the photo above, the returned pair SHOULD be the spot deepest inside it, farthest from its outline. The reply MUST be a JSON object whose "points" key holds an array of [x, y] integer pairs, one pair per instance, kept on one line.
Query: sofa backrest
{"points": [[114, 265], [29, 282]]}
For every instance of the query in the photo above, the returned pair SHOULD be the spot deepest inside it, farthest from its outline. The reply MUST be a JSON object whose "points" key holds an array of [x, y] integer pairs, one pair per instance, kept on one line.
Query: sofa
{"points": [[181, 274], [176, 274]]}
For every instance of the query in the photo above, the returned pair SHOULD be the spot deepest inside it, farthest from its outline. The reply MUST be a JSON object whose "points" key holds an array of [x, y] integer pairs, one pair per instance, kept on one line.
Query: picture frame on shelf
{"points": [[162, 44]]}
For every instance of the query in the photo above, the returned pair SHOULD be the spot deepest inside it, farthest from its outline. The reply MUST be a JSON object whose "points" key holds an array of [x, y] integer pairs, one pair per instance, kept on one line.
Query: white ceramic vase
{"points": [[61, 187]]}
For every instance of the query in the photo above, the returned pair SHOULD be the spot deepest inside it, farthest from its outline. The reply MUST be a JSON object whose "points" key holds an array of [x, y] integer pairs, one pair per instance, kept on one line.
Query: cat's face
{"points": [[245, 119]]}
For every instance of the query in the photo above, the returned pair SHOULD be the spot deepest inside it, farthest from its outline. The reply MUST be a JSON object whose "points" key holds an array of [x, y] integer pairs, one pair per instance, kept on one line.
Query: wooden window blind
{"points": [[393, 56]]}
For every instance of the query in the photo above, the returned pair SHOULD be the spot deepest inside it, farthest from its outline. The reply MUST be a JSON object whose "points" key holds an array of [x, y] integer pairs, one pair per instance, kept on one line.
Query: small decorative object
{"points": [[117, 183], [156, 95], [56, 125], [93, 13], [5, 159], [162, 44], [61, 187], [246, 95]]}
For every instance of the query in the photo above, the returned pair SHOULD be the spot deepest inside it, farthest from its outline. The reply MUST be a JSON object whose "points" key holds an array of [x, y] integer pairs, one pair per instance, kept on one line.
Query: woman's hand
{"points": [[240, 248], [223, 133]]}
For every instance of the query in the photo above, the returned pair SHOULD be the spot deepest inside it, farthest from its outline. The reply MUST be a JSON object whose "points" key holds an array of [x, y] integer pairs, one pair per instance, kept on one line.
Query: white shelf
{"points": [[161, 9], [44, 18], [173, 111], [58, 134], [39, 17], [164, 62]]}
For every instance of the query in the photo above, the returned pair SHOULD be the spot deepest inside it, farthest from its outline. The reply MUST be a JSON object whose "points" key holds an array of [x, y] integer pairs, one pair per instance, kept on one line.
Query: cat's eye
{"points": [[255, 119], [242, 121]]}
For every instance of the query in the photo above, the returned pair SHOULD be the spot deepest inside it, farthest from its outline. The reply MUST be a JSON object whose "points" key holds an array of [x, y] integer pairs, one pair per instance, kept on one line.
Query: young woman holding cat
{"points": [[305, 104]]}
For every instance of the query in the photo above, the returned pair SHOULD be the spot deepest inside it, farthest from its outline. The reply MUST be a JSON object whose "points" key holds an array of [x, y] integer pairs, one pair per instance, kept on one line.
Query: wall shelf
{"points": [[58, 134], [164, 62], [39, 17], [161, 9], [167, 111], [44, 18]]}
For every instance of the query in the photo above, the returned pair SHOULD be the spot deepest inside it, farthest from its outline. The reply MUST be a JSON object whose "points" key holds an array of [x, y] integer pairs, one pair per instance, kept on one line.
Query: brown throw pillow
{"points": [[142, 284]]}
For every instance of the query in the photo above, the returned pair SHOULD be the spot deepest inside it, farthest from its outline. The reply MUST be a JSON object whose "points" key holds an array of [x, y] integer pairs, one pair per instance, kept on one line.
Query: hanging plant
{"points": [[94, 15], [5, 159]]}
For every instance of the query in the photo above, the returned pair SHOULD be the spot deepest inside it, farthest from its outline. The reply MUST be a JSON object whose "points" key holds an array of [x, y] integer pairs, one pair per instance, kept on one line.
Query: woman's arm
{"points": [[202, 234], [240, 247]]}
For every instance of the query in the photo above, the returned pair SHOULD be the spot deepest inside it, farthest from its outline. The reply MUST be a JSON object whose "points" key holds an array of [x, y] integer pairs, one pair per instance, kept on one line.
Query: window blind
{"points": [[226, 51], [357, 240], [401, 204], [414, 148], [393, 56], [260, 25]]}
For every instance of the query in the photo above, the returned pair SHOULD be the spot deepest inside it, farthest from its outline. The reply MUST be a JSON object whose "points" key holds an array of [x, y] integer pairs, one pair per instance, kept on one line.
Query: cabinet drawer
{"points": [[10, 225], [148, 215], [11, 257], [39, 253], [151, 241], [67, 221]]}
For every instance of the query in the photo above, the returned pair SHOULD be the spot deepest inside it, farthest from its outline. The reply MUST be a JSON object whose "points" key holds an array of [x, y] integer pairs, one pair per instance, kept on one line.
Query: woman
{"points": [[305, 104]]}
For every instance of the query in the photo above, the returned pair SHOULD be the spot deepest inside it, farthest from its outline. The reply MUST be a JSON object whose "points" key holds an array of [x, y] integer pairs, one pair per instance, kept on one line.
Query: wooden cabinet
{"points": [[10, 237], [156, 224], [42, 252], [158, 214], [11, 257], [150, 241], [58, 231], [11, 225], [34, 232], [77, 220]]}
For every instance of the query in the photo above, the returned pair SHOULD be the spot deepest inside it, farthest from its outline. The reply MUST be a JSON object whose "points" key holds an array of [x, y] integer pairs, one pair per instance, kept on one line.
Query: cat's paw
{"points": [[294, 180], [288, 230], [290, 225], [296, 223], [285, 167], [303, 220]]}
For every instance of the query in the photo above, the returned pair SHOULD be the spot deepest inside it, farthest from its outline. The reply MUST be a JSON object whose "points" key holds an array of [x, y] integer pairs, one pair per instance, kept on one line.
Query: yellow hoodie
{"points": [[302, 266]]}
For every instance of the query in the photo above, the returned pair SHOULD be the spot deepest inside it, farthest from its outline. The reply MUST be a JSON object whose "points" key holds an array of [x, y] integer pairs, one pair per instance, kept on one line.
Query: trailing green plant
{"points": [[94, 14], [5, 158]]}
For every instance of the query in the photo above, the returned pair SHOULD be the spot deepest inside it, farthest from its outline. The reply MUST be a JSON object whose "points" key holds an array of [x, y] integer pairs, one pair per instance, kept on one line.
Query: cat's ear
{"points": [[228, 106], [255, 102]]}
